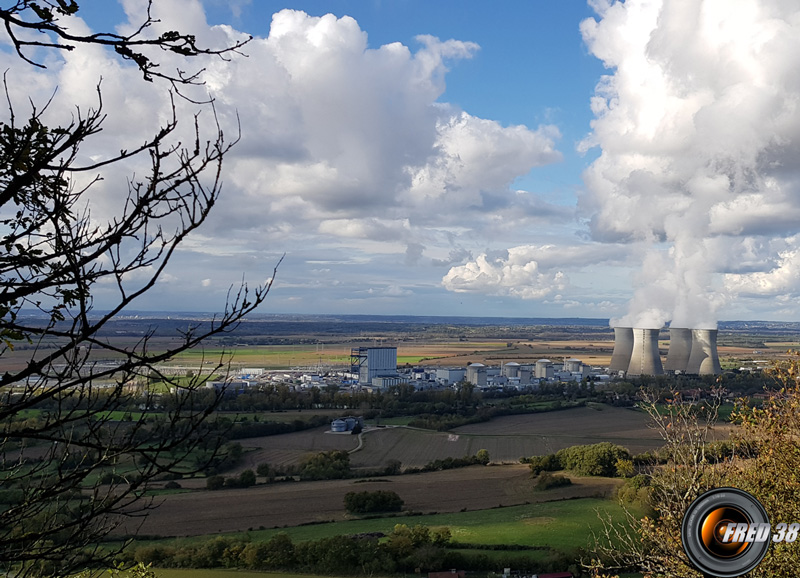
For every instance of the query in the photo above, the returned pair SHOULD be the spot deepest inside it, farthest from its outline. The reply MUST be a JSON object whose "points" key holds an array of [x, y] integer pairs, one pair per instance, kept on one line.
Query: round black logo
{"points": [[725, 532]]}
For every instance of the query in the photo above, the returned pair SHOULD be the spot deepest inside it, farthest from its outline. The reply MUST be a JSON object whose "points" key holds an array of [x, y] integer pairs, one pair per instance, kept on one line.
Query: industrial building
{"points": [[476, 374], [450, 375], [371, 362]]}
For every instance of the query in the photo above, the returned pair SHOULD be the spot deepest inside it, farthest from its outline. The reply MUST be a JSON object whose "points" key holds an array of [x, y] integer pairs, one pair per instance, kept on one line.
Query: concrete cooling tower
{"points": [[623, 347], [704, 359], [645, 359], [680, 348]]}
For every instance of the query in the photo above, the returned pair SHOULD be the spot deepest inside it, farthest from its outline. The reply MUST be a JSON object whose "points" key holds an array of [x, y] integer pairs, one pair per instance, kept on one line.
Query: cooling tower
{"points": [[644, 357], [623, 346], [704, 359], [680, 348]]}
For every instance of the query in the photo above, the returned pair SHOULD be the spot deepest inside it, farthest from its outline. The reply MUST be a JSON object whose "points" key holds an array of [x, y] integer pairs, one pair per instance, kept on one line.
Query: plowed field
{"points": [[291, 504], [506, 438]]}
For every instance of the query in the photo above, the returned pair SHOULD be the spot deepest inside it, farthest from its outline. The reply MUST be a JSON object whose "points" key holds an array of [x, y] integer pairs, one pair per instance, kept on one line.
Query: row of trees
{"points": [[405, 549], [335, 465]]}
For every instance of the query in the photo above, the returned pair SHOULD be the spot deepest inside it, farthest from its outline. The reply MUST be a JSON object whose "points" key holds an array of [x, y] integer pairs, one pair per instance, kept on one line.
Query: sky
{"points": [[635, 161]]}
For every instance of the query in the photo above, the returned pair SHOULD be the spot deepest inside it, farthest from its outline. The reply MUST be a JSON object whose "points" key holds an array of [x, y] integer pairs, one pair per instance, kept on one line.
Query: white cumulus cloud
{"points": [[516, 275]]}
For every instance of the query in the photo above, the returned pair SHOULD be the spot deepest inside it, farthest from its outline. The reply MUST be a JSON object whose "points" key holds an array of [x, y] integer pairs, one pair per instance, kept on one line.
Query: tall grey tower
{"points": [[645, 359], [704, 359], [623, 347], [680, 348]]}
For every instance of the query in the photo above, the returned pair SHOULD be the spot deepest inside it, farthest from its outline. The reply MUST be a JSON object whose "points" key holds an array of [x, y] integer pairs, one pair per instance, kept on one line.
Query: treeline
{"points": [[335, 465], [602, 459], [607, 459], [448, 421], [741, 383], [406, 549], [398, 400], [253, 429]]}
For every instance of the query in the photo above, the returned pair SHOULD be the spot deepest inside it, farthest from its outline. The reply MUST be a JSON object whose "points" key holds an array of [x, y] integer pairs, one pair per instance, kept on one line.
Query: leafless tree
{"points": [[69, 467]]}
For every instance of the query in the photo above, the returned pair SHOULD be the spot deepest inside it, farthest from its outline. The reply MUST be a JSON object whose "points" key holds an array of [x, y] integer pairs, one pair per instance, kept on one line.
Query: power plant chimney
{"points": [[623, 347], [645, 359], [680, 348], [704, 359]]}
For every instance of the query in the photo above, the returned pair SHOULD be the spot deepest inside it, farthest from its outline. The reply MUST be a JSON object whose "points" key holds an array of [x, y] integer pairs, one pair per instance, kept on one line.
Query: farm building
{"points": [[348, 423]]}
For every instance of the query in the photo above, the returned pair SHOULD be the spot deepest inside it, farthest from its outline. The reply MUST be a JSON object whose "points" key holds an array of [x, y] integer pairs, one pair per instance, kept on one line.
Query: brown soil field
{"points": [[291, 448], [506, 438], [291, 504], [593, 421]]}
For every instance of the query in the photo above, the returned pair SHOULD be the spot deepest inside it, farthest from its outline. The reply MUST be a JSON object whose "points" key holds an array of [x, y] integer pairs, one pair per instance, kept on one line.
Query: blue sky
{"points": [[521, 158]]}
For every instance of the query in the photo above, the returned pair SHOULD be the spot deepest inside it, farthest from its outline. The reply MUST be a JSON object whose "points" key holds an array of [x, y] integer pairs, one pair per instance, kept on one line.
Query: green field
{"points": [[562, 525]]}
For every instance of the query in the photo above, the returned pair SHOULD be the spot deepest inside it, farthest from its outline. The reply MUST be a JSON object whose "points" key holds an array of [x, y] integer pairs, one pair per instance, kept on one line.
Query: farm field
{"points": [[559, 524], [286, 449], [506, 438], [590, 422], [292, 504], [307, 355], [457, 353]]}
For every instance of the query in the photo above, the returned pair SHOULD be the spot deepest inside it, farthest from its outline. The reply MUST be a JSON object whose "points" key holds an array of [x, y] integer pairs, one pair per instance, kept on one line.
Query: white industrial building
{"points": [[371, 362], [450, 375]]}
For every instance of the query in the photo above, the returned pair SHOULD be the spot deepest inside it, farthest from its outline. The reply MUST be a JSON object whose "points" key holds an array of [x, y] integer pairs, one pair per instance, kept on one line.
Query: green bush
{"points": [[368, 502], [593, 460], [539, 464], [546, 481], [247, 478], [215, 483], [332, 465]]}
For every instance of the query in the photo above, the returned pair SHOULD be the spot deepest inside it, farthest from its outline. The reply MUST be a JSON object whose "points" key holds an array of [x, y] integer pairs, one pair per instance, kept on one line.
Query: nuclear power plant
{"points": [[692, 351]]}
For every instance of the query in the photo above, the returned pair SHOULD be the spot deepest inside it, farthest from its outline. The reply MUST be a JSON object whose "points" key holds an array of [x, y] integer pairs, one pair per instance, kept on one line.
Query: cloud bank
{"points": [[347, 152], [353, 163]]}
